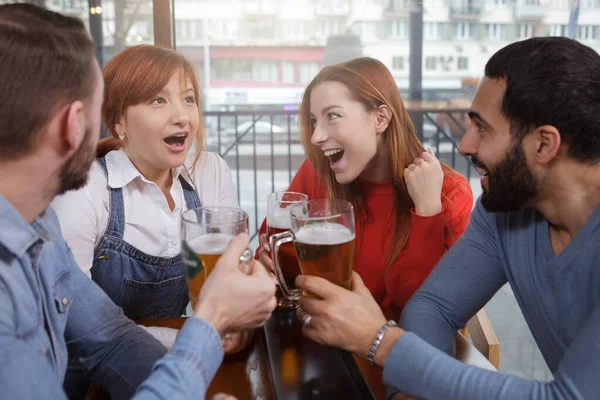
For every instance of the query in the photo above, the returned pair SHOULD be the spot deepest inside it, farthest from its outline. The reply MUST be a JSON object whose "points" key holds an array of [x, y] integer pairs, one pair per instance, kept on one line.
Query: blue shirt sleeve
{"points": [[120, 355], [417, 368], [21, 362], [464, 280], [189, 366]]}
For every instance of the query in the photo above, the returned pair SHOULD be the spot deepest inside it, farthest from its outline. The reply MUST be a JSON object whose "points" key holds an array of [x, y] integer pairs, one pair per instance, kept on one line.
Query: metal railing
{"points": [[263, 150]]}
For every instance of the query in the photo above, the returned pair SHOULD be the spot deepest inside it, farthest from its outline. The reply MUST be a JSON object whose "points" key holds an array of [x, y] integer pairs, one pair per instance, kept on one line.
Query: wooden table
{"points": [[249, 374], [246, 375]]}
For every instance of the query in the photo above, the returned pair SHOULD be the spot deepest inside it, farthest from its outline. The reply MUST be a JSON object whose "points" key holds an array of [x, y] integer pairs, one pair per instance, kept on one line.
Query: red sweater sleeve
{"points": [[305, 181], [429, 239]]}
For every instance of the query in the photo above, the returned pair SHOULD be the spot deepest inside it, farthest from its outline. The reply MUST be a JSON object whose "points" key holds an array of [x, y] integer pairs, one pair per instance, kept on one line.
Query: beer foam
{"points": [[326, 233], [213, 243], [280, 219]]}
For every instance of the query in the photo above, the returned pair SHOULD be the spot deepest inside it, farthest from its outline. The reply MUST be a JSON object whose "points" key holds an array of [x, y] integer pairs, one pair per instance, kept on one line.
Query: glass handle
{"points": [[275, 242]]}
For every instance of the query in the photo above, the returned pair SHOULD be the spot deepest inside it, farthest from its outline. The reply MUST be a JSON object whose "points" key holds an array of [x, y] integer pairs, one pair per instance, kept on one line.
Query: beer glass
{"points": [[205, 235], [323, 235], [278, 221]]}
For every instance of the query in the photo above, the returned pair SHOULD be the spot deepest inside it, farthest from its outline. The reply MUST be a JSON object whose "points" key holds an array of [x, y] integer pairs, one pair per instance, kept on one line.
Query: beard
{"points": [[511, 184], [74, 173]]}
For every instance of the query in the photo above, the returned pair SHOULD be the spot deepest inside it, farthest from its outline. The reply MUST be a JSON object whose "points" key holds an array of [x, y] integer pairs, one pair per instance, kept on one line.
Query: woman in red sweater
{"points": [[362, 147]]}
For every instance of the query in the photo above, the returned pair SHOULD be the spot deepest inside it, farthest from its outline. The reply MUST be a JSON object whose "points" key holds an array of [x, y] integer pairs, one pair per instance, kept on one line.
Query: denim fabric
{"points": [[51, 311], [144, 286]]}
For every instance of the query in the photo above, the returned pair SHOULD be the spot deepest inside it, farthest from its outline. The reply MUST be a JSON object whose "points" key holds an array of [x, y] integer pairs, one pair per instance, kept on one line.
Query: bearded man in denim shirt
{"points": [[49, 310]]}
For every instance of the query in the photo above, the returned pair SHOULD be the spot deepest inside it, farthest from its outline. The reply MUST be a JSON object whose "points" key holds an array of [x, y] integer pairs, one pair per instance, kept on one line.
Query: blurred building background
{"points": [[262, 53]]}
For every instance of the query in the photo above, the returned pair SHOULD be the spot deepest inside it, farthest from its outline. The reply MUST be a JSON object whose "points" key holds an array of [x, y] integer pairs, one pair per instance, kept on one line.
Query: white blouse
{"points": [[150, 225]]}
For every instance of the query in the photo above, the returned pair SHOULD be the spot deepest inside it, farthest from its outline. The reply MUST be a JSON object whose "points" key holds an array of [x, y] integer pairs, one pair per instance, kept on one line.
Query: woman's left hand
{"points": [[237, 341], [424, 179]]}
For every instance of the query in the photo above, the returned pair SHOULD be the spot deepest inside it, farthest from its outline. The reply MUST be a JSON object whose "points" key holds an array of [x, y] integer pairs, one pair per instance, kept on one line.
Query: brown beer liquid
{"points": [[208, 249], [287, 258], [195, 285], [326, 250]]}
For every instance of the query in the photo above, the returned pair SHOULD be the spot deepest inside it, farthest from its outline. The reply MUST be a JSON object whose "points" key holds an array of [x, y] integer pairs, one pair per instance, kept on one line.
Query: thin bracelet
{"points": [[378, 338]]}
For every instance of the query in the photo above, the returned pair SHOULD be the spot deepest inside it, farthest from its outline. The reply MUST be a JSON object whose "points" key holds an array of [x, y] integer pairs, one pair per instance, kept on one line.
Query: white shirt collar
{"points": [[121, 171]]}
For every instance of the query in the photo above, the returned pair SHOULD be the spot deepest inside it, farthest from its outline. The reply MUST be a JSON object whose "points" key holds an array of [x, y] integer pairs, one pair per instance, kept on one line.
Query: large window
{"points": [[431, 63], [398, 62], [258, 56], [265, 71], [588, 32], [397, 29], [188, 31], [463, 63], [124, 22], [287, 72], [463, 30], [307, 71], [590, 3], [496, 31], [432, 30], [525, 31], [233, 69], [559, 30]]}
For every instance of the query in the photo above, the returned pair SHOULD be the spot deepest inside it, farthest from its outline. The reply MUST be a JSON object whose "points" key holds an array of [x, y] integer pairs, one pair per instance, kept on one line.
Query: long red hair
{"points": [[137, 74], [371, 84]]}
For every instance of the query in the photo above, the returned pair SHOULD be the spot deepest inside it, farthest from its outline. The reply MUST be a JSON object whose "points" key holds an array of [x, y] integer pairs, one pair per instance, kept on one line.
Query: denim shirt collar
{"points": [[16, 234]]}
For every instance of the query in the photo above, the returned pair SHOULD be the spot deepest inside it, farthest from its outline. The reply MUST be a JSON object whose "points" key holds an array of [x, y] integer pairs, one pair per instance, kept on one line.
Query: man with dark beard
{"points": [[535, 137], [50, 311]]}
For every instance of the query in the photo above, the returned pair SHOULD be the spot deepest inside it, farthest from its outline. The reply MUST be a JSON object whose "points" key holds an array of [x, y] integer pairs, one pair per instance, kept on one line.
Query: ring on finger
{"points": [[306, 320]]}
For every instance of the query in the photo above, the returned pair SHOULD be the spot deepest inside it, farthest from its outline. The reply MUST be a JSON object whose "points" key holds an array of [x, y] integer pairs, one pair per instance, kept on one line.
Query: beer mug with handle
{"points": [[278, 221], [205, 235], [323, 233]]}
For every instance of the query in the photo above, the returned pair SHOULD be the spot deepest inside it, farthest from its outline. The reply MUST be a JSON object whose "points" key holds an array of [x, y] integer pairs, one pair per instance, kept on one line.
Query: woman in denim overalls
{"points": [[123, 226], [144, 286]]}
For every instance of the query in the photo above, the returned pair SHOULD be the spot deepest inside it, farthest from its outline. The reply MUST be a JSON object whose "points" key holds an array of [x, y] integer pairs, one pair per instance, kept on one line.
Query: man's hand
{"points": [[231, 300], [339, 317]]}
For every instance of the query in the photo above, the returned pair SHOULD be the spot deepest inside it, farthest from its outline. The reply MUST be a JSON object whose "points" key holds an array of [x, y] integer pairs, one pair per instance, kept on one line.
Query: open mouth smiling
{"points": [[334, 155]]}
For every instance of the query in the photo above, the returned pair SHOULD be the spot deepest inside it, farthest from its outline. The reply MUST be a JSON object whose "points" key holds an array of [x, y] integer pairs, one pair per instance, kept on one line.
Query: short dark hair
{"points": [[47, 62], [552, 81]]}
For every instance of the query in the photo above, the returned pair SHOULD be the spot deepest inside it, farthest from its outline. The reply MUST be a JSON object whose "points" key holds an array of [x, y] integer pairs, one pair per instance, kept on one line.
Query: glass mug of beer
{"points": [[323, 233], [205, 235], [278, 221]]}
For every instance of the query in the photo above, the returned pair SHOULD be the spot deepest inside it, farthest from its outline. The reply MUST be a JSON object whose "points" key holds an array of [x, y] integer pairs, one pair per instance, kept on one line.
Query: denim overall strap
{"points": [[144, 286], [116, 209], [189, 194]]}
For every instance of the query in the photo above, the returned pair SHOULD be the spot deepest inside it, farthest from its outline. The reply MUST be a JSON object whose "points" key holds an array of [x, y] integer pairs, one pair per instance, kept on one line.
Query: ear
{"points": [[74, 131], [547, 143], [121, 128], [383, 116]]}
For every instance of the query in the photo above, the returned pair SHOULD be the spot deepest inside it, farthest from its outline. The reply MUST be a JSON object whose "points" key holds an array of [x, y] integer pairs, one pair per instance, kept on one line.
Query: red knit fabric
{"points": [[428, 240]]}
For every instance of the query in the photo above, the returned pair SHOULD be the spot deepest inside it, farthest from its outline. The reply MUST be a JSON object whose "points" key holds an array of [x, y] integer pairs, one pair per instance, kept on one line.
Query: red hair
{"points": [[371, 84], [137, 74]]}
